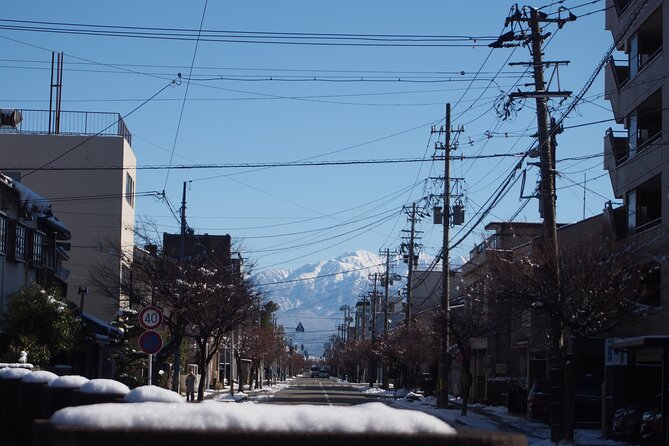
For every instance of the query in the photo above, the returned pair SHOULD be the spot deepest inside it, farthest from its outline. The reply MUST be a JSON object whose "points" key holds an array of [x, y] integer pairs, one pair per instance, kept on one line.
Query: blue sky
{"points": [[259, 102]]}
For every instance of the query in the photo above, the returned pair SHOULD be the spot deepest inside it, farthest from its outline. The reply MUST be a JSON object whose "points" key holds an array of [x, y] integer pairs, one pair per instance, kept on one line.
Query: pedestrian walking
{"points": [[190, 386]]}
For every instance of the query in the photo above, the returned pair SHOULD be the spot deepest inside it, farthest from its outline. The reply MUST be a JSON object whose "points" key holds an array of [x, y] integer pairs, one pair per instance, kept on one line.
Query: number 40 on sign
{"points": [[150, 317]]}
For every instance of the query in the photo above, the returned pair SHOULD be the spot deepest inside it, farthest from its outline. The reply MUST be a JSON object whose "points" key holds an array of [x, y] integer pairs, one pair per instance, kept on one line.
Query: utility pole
{"points": [[386, 284], [182, 242], [411, 258], [444, 362], [546, 141], [374, 295], [364, 311]]}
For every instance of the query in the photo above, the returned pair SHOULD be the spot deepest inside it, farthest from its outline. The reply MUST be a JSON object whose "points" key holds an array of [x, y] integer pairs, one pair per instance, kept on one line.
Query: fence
{"points": [[43, 122]]}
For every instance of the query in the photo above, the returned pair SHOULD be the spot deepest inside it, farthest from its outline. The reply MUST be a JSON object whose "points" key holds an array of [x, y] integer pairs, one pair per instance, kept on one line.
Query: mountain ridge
{"points": [[315, 293]]}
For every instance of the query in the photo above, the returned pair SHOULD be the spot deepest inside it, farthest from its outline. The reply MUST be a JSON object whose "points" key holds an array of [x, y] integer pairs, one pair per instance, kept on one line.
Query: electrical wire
{"points": [[76, 146], [183, 103]]}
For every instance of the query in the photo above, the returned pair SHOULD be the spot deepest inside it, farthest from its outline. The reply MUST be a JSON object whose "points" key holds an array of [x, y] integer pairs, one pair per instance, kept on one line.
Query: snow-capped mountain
{"points": [[314, 294]]}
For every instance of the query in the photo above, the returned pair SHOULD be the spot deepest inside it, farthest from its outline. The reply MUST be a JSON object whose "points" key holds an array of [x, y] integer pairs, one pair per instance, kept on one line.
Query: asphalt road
{"points": [[323, 391]]}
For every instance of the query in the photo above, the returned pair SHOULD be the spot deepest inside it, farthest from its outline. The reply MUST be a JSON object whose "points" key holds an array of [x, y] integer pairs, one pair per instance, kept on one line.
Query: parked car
{"points": [[539, 400], [324, 372], [587, 401], [627, 420], [650, 428]]}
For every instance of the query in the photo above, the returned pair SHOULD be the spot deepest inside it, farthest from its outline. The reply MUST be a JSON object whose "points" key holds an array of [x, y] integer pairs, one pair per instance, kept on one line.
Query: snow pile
{"points": [[39, 377], [227, 398], [370, 417], [13, 373], [68, 382], [145, 394], [104, 386], [15, 365]]}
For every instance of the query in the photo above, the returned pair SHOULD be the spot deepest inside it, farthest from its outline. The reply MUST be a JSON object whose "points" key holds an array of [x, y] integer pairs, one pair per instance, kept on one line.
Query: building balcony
{"points": [[641, 212], [617, 75], [616, 149], [621, 13], [71, 123]]}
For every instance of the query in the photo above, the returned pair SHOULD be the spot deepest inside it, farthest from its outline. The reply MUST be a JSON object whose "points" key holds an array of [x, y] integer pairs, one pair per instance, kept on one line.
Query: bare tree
{"points": [[218, 302], [604, 285], [148, 278], [410, 348]]}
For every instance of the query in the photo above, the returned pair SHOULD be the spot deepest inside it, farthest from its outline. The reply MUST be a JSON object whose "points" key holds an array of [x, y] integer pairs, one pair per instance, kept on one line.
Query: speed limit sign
{"points": [[150, 317]]}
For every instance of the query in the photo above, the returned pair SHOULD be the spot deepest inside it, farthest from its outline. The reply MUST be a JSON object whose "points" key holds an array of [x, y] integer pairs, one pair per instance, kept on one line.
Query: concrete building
{"points": [[97, 205], [636, 156]]}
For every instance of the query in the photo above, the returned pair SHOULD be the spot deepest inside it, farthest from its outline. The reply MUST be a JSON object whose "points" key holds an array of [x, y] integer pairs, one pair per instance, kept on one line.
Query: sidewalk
{"points": [[509, 422]]}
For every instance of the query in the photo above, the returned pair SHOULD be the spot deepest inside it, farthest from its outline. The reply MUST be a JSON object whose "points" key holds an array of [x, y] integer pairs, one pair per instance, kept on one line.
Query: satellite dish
{"points": [[10, 118]]}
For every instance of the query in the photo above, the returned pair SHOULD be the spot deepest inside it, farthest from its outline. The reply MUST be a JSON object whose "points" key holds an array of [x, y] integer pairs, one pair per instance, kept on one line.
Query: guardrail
{"points": [[44, 122]]}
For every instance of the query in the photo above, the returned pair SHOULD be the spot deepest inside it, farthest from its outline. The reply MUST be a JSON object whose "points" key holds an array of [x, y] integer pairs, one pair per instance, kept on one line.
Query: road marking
{"points": [[327, 397]]}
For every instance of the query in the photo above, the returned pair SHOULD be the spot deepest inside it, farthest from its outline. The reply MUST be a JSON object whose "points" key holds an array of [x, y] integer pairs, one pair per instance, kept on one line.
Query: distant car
{"points": [[315, 371], [324, 373]]}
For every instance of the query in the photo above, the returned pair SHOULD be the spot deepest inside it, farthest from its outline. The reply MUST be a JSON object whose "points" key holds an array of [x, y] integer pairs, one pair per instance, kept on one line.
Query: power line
{"points": [[76, 146], [265, 164], [183, 103], [255, 37]]}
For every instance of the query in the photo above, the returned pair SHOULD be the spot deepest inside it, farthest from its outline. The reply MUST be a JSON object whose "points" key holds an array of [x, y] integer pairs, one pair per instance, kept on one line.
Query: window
{"points": [[644, 124], [3, 233], [644, 45], [38, 249], [20, 243], [644, 206], [129, 190]]}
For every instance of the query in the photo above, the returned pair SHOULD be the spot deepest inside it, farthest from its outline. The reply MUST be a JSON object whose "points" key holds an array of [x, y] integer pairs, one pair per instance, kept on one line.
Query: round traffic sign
{"points": [[150, 342], [150, 317]]}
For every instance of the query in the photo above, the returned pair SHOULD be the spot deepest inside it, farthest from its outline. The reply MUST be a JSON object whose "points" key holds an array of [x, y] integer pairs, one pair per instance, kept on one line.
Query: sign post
{"points": [[150, 341]]}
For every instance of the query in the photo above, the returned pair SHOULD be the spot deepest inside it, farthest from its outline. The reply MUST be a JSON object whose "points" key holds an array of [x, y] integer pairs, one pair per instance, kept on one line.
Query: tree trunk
{"points": [[203, 364], [466, 381], [569, 390], [240, 374]]}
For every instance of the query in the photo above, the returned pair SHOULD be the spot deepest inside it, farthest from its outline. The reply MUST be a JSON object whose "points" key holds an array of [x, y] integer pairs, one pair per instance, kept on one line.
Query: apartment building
{"points": [[97, 205], [635, 151]]}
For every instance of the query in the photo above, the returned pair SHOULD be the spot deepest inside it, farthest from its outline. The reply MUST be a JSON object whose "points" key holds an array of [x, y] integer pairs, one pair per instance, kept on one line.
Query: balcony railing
{"points": [[43, 122], [620, 149], [618, 146], [620, 72]]}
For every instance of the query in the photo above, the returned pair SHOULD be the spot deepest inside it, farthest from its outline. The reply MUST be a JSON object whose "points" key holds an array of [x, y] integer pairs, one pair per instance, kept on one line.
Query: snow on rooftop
{"points": [[369, 417], [102, 324], [58, 225], [31, 200], [145, 394], [13, 372], [68, 382], [104, 386], [39, 377]]}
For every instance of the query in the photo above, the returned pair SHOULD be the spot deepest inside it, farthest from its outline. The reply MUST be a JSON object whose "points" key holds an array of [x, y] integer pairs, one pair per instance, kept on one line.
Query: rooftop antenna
{"points": [[56, 87]]}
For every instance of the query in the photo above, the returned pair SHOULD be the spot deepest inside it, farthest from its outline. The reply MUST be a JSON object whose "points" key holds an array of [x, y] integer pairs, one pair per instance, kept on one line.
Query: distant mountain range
{"points": [[314, 294]]}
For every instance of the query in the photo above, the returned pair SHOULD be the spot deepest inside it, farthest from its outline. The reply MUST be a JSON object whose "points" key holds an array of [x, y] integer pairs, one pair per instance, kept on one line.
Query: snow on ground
{"points": [[369, 417], [227, 397], [267, 391], [496, 418]]}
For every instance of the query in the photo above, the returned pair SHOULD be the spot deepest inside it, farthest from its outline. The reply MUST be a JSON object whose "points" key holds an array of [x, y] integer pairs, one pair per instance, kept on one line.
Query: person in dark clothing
{"points": [[190, 386]]}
